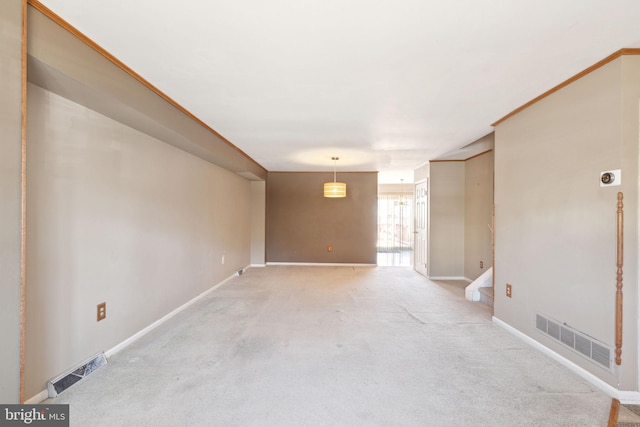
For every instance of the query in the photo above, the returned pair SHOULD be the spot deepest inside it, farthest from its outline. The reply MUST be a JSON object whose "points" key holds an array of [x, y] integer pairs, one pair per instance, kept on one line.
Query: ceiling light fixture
{"points": [[335, 189]]}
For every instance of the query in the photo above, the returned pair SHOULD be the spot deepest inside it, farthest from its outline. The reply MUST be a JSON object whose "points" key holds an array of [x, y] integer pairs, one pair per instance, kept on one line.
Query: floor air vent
{"points": [[592, 349], [69, 378]]}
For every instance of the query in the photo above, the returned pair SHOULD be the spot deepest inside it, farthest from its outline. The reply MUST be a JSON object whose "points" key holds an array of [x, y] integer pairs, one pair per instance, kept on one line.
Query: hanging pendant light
{"points": [[335, 189]]}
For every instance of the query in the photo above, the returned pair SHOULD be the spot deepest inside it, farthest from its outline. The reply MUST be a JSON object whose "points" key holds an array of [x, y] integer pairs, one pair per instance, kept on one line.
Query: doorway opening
{"points": [[395, 225]]}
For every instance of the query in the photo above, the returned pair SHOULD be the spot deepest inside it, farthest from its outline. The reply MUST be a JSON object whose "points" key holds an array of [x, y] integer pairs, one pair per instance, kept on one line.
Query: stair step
{"points": [[628, 416], [486, 296]]}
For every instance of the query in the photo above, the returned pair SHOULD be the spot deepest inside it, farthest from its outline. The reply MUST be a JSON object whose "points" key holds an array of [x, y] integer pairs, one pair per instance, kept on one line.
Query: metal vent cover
{"points": [[594, 350], [69, 378]]}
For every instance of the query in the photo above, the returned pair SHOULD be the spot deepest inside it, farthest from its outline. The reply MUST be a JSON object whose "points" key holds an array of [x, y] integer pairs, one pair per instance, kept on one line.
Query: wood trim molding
{"points": [[613, 56], [93, 45], [478, 155], [463, 160], [619, 264], [316, 172], [23, 219]]}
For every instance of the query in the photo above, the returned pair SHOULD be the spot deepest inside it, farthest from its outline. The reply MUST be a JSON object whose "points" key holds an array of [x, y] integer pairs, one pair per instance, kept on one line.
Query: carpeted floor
{"points": [[333, 346]]}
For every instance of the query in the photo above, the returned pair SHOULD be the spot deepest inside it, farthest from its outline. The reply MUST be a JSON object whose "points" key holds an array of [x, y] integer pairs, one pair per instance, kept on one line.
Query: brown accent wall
{"points": [[301, 223]]}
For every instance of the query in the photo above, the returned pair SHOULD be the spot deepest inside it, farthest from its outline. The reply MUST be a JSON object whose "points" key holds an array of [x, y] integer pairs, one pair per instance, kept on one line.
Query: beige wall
{"points": [[478, 205], [629, 377], [460, 200], [555, 226], [117, 216], [10, 197], [446, 219], [301, 223], [629, 162], [131, 202], [258, 225]]}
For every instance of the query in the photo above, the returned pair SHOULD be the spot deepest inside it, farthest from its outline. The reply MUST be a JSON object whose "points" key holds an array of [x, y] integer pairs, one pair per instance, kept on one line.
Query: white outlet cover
{"points": [[617, 173]]}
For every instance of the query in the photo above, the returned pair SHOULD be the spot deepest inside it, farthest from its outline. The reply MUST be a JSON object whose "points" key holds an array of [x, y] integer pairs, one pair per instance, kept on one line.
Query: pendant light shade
{"points": [[335, 189]]}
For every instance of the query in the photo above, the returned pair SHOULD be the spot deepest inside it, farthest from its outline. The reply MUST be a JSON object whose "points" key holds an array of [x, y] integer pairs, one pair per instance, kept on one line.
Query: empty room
{"points": [[320, 213]]}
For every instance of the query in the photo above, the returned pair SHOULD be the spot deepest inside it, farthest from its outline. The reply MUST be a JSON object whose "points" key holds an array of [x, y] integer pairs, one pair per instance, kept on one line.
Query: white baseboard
{"points": [[322, 264], [449, 278], [257, 265], [138, 335], [627, 397], [38, 398]]}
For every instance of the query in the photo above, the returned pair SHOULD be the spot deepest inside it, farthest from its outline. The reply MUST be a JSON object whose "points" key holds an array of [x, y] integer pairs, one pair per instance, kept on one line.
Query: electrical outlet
{"points": [[508, 290], [481, 264], [329, 248], [102, 311], [222, 260]]}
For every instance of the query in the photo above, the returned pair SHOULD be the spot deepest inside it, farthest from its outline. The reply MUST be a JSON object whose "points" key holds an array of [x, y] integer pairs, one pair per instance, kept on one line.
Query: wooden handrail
{"points": [[619, 263], [613, 413]]}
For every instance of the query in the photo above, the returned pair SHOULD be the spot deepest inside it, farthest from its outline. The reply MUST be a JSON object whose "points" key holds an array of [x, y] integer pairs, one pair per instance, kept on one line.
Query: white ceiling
{"points": [[384, 85]]}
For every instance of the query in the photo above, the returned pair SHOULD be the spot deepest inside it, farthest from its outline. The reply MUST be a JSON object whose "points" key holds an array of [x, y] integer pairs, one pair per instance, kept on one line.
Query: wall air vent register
{"points": [[594, 350]]}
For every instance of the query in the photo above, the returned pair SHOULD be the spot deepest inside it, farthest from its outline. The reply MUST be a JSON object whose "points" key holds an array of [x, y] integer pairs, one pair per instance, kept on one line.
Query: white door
{"points": [[420, 230]]}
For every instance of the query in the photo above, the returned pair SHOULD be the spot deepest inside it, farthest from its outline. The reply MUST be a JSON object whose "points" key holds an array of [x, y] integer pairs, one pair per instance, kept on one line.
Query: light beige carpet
{"points": [[334, 346]]}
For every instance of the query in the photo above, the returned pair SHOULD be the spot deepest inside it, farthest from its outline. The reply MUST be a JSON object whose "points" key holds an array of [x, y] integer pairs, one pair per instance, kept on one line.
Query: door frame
{"points": [[422, 185]]}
